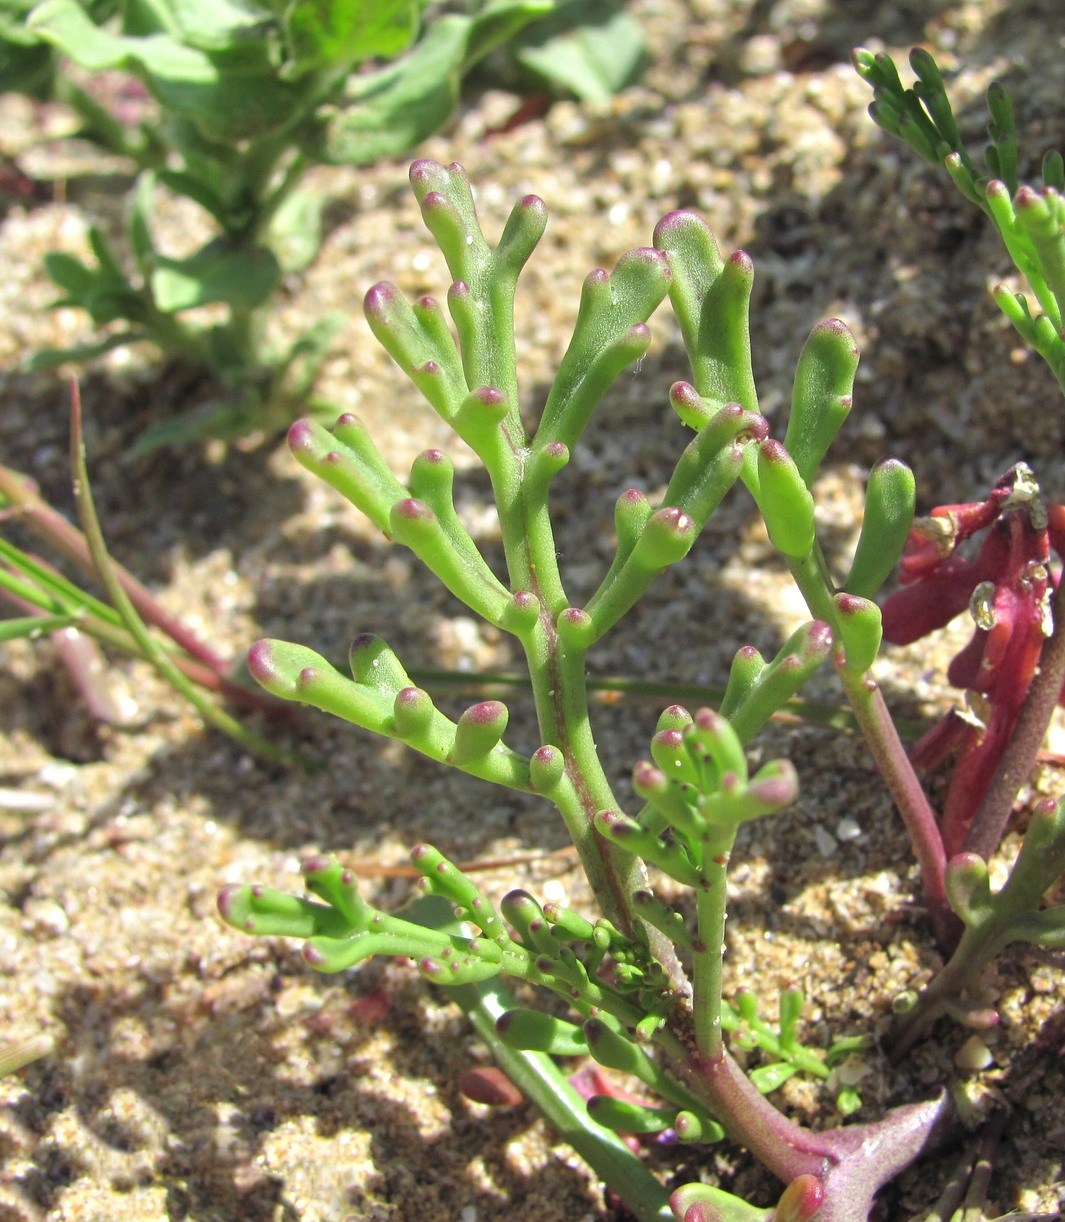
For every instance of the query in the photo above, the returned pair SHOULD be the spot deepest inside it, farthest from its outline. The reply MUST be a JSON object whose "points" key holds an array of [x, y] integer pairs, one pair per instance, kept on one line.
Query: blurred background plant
{"points": [[229, 105]]}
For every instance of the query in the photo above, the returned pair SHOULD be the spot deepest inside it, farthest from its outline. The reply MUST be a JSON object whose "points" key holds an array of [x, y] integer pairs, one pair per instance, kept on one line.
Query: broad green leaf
{"points": [[112, 301], [218, 272], [404, 103], [214, 25], [231, 94], [13, 14], [26, 66], [323, 33], [75, 278], [181, 182], [143, 17], [66, 25], [390, 111], [103, 296], [296, 231], [497, 21], [241, 96], [590, 48]]}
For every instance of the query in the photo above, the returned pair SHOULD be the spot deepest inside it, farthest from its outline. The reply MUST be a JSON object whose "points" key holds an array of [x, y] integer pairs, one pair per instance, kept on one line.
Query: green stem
{"points": [[796, 711], [244, 356], [17, 1053], [77, 612], [1019, 249], [816, 586], [289, 180], [51, 526], [709, 955], [561, 701], [560, 695]]}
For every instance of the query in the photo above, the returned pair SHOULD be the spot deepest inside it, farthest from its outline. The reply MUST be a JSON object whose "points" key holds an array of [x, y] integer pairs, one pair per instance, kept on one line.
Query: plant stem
{"points": [[608, 688], [867, 700], [852, 1162], [709, 954], [882, 737], [17, 1053], [541, 1081], [560, 695], [974, 950], [989, 823], [109, 631], [562, 709], [544, 1085]]}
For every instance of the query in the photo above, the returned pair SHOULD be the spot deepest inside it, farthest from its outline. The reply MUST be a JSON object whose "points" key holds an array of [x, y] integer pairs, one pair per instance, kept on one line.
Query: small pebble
{"points": [[827, 844], [489, 1085], [46, 916], [974, 1055], [847, 829]]}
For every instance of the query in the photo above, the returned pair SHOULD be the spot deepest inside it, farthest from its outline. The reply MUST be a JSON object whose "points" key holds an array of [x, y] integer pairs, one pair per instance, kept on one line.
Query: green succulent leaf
{"points": [[538, 1032], [822, 395], [860, 632], [624, 1116], [784, 500], [711, 298], [890, 500]]}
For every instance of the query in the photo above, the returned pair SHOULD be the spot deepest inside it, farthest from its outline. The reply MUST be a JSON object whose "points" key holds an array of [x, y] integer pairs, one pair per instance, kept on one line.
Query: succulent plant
{"points": [[643, 978]]}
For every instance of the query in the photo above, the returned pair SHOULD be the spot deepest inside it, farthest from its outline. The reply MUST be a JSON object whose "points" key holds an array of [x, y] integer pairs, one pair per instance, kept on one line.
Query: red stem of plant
{"points": [[852, 1162], [883, 740], [989, 823]]}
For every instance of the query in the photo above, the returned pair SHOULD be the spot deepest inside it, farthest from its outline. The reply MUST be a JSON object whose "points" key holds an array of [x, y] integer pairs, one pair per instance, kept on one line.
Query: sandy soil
{"points": [[199, 1075]]}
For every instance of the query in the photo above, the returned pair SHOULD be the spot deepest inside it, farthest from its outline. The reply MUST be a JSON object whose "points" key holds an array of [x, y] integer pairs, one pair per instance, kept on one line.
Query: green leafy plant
{"points": [[591, 49], [643, 979], [229, 105]]}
